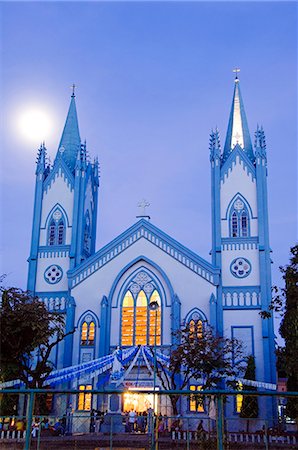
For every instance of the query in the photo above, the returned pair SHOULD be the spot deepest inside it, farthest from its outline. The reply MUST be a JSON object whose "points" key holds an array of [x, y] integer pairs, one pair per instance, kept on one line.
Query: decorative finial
{"points": [[73, 87], [143, 204], [236, 71]]}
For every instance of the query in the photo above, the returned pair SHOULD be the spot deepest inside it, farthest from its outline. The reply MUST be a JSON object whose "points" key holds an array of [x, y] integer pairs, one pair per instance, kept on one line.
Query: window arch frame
{"points": [[148, 296], [199, 321], [88, 326], [236, 228], [87, 228], [54, 227]]}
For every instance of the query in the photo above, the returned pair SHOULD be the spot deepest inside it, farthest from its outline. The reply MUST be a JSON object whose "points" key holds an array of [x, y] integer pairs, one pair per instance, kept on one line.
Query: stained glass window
{"points": [[139, 323], [155, 316], [84, 334], [195, 329], [127, 319], [141, 319], [88, 333]]}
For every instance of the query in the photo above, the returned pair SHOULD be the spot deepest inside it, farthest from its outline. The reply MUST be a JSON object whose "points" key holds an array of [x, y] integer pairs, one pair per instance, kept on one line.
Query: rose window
{"points": [[53, 274], [240, 267]]}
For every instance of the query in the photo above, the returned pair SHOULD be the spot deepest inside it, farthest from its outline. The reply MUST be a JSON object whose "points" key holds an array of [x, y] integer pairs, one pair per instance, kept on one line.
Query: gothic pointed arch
{"points": [[195, 321], [56, 230], [141, 324], [87, 325], [239, 214]]}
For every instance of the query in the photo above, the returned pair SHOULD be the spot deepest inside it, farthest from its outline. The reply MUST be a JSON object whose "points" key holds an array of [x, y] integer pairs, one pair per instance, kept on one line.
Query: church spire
{"points": [[70, 141], [238, 133]]}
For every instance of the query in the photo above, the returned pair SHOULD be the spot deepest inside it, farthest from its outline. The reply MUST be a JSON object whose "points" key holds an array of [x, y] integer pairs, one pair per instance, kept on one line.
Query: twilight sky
{"points": [[152, 80]]}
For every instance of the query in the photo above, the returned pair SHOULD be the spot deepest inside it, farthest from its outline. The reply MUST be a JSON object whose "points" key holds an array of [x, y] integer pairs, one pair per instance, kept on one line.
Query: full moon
{"points": [[34, 124]]}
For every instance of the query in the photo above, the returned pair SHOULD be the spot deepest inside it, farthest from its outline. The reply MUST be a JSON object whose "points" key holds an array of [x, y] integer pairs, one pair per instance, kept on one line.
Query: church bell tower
{"points": [[240, 237], [64, 218]]}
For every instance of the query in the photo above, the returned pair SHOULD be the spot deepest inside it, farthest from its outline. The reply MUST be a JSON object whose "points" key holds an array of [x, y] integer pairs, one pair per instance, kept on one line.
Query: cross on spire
{"points": [[236, 71], [73, 87], [143, 204]]}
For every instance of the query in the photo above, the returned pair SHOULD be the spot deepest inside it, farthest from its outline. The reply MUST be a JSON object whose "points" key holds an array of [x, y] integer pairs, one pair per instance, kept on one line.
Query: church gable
{"points": [[145, 230]]}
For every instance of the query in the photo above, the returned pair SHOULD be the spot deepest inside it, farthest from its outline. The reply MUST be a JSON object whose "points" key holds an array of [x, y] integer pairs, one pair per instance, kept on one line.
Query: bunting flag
{"points": [[117, 360]]}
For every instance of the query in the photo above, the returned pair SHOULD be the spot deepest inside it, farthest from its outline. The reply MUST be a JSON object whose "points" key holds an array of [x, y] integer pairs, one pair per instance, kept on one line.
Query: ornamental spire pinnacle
{"points": [[70, 140], [238, 132]]}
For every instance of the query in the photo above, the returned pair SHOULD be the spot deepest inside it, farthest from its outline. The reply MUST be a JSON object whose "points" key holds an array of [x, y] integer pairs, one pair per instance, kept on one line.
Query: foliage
{"points": [[29, 332], [200, 357], [289, 329], [285, 302], [249, 408]]}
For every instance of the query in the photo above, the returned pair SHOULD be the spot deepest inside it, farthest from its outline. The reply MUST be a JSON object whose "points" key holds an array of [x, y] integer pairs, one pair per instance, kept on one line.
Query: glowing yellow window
{"points": [[84, 402], [192, 329], [141, 319], [155, 315], [127, 319], [239, 398], [91, 333], [84, 334], [199, 326], [196, 403]]}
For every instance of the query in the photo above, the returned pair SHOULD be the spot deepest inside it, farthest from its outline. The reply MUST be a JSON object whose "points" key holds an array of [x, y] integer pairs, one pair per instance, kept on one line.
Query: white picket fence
{"points": [[238, 437], [12, 434]]}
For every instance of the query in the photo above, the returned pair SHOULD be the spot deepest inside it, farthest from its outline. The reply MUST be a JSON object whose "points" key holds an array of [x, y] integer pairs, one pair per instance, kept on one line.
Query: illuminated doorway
{"points": [[139, 402]]}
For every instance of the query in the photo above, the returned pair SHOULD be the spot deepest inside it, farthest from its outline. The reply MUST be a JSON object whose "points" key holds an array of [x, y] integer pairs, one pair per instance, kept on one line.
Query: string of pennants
{"points": [[114, 365]]}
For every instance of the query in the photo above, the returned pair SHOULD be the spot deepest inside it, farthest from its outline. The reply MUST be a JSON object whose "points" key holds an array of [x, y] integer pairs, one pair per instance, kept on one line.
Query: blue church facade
{"points": [[105, 294]]}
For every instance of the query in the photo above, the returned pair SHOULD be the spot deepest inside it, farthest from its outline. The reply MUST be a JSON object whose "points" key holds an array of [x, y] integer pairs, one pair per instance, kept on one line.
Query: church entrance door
{"points": [[139, 402]]}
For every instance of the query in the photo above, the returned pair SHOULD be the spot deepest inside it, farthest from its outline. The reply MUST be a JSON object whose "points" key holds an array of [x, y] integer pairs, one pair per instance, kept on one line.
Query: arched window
{"points": [[56, 229], [87, 233], [127, 319], [141, 319], [88, 333], [139, 324], [244, 223], [239, 219], [60, 237], [52, 232], [195, 329], [234, 224], [155, 320]]}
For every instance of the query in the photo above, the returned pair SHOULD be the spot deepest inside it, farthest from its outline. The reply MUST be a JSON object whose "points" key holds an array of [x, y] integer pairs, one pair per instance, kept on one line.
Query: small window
{"points": [[52, 232], [91, 334], [88, 333], [196, 403], [85, 398], [60, 233], [234, 224], [84, 334], [239, 398], [244, 221], [195, 329]]}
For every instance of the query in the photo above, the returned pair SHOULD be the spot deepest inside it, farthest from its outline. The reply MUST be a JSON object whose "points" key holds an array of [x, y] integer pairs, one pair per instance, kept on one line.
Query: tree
{"points": [[285, 302], [289, 329], [29, 333], [249, 407], [199, 356]]}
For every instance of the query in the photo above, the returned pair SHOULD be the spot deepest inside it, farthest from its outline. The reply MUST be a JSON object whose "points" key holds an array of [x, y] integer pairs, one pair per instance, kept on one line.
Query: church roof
{"points": [[70, 140], [144, 229], [238, 132]]}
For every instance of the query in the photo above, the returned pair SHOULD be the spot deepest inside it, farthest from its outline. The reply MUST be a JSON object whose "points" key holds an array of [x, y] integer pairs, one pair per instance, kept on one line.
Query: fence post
{"points": [[219, 422], [29, 420]]}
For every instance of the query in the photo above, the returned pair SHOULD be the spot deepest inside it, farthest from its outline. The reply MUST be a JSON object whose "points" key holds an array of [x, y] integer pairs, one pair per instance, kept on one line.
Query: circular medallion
{"points": [[240, 267], [53, 274]]}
